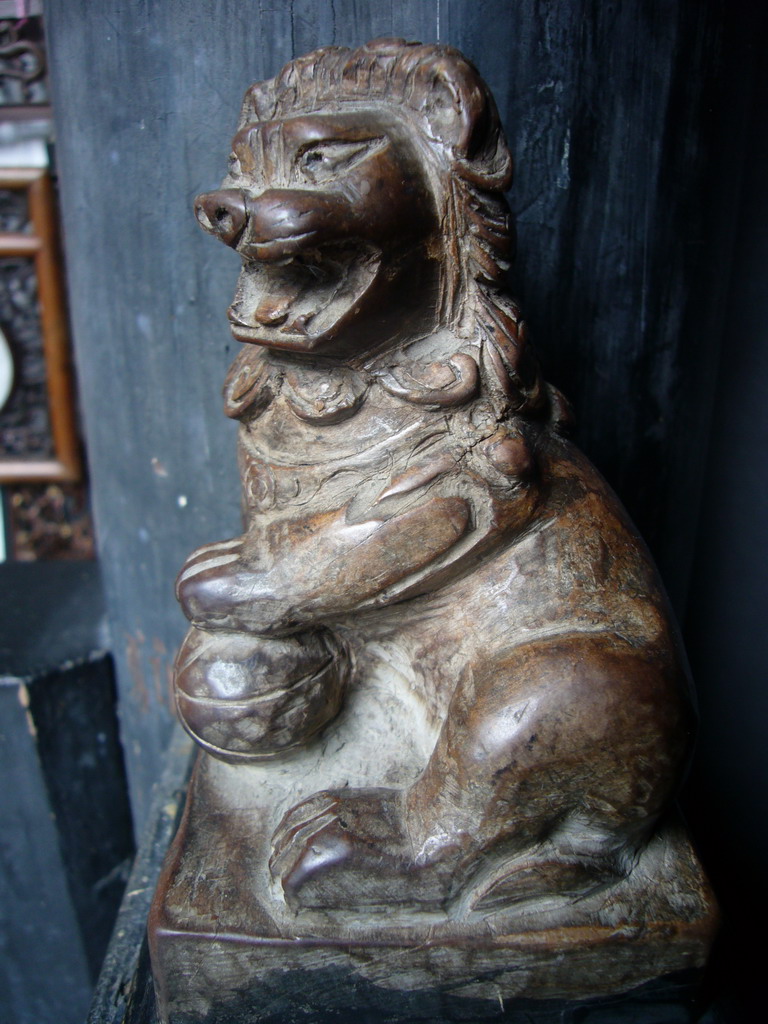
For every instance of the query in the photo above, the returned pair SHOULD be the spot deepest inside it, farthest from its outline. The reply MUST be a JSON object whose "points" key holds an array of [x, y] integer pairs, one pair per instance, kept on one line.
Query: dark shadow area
{"points": [[725, 625]]}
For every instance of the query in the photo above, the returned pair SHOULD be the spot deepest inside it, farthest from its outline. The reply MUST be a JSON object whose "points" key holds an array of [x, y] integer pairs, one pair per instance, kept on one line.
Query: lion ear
{"points": [[457, 116], [461, 115], [258, 103]]}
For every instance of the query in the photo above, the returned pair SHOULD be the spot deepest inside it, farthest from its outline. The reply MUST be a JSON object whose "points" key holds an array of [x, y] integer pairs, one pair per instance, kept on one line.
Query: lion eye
{"points": [[325, 159], [314, 157]]}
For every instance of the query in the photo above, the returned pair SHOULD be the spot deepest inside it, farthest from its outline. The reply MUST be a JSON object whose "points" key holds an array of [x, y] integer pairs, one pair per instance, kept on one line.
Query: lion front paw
{"points": [[224, 587], [208, 582]]}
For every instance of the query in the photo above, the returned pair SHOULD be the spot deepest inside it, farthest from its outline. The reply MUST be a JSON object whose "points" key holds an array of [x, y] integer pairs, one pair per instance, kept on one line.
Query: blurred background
{"points": [[640, 132]]}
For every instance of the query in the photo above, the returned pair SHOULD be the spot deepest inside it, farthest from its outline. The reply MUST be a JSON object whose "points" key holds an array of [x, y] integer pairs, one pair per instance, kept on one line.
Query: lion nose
{"points": [[222, 214]]}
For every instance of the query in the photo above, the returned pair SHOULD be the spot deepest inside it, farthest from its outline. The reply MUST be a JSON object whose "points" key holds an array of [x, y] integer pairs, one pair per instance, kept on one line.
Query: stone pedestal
{"points": [[226, 948]]}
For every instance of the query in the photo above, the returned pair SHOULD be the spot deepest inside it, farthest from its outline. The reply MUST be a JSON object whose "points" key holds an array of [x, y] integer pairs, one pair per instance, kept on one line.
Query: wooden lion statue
{"points": [[435, 679]]}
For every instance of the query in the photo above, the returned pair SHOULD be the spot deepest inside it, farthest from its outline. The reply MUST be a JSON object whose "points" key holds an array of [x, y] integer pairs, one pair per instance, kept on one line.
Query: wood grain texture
{"points": [[602, 103]]}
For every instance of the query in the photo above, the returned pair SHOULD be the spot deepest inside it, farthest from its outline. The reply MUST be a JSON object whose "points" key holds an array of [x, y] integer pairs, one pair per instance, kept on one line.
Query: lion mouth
{"points": [[301, 301]]}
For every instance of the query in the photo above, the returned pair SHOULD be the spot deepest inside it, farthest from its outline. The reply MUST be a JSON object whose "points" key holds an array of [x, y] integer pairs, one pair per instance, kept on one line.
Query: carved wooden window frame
{"points": [[41, 246]]}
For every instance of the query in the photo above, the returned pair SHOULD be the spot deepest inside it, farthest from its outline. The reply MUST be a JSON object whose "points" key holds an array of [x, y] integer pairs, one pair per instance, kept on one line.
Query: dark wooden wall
{"points": [[608, 109]]}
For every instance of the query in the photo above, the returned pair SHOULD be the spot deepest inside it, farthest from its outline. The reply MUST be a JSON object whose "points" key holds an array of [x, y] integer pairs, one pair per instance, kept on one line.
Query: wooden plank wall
{"points": [[603, 103]]}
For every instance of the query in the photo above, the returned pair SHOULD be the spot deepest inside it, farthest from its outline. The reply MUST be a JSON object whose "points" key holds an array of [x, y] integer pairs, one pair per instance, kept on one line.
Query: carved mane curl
{"points": [[469, 164]]}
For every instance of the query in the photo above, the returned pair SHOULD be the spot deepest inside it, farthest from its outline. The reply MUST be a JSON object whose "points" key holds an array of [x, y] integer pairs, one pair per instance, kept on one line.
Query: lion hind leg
{"points": [[569, 869], [553, 765]]}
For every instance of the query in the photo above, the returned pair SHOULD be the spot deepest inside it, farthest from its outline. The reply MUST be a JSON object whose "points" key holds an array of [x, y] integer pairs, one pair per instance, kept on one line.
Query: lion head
{"points": [[365, 196]]}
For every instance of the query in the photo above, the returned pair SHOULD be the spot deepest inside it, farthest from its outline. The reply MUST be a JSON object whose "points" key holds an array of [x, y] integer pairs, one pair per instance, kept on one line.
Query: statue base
{"points": [[226, 948]]}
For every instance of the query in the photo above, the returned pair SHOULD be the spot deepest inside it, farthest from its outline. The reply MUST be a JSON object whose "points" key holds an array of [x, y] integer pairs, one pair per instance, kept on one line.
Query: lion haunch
{"points": [[407, 486]]}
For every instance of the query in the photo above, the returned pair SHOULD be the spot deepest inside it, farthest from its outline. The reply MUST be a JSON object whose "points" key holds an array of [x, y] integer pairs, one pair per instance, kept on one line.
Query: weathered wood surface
{"points": [[603, 103]]}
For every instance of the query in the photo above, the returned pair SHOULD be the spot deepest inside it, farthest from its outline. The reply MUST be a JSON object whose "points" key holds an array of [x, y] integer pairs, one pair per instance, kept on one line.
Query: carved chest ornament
{"points": [[442, 708]]}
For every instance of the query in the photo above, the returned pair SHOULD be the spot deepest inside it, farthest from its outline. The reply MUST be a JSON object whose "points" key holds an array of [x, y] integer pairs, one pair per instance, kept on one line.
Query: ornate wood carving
{"points": [[38, 433], [442, 705]]}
